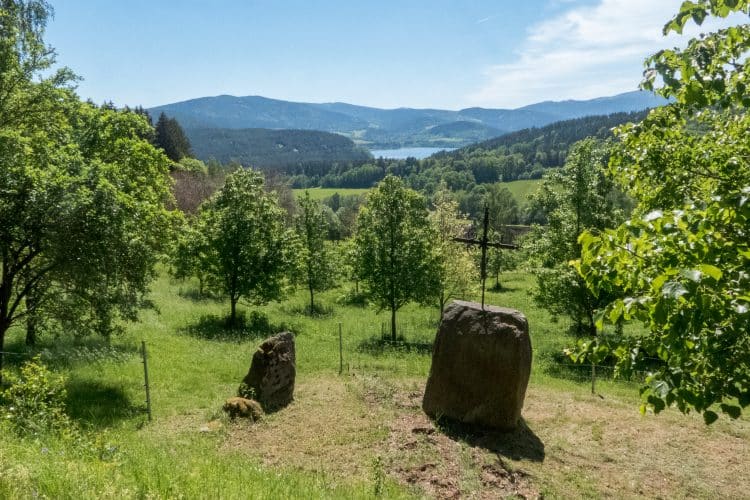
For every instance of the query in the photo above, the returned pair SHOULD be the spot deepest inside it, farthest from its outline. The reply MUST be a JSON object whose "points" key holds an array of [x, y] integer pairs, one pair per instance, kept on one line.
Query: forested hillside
{"points": [[392, 128], [525, 154], [306, 152]]}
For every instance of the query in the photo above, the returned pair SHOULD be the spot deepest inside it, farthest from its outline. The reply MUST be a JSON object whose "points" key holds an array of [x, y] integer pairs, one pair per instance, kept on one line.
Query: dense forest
{"points": [[306, 152], [525, 154]]}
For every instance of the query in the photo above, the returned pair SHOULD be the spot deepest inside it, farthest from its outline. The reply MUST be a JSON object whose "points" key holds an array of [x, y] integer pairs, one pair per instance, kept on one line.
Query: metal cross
{"points": [[485, 243]]}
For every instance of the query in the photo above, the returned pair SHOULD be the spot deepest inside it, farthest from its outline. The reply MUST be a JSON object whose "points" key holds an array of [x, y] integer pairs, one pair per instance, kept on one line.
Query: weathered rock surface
{"points": [[243, 407], [481, 364], [270, 379]]}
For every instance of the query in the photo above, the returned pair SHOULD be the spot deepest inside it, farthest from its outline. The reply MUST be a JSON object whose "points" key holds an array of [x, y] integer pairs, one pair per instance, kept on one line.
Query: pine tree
{"points": [[172, 139]]}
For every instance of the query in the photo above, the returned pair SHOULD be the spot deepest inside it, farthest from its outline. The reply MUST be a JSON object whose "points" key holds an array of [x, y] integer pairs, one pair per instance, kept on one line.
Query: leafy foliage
{"points": [[456, 273], [318, 266], [82, 193], [34, 402], [682, 260], [395, 261], [579, 197], [241, 243]]}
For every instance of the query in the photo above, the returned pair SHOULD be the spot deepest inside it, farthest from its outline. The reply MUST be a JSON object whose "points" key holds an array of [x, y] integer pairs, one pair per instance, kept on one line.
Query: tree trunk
{"points": [[233, 314], [312, 302], [3, 329], [393, 322], [32, 319]]}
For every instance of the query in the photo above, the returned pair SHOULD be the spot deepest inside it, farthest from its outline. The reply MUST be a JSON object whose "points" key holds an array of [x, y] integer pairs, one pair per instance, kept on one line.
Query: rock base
{"points": [[481, 363], [270, 379]]}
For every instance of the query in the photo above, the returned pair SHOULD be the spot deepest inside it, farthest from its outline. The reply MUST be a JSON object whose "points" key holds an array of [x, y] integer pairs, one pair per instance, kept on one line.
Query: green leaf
{"points": [[731, 410], [657, 403], [660, 388], [712, 271], [709, 417], [653, 215], [691, 274], [673, 290]]}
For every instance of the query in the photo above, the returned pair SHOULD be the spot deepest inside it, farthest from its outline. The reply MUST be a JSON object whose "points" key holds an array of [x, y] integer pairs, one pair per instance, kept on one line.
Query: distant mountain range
{"points": [[377, 128]]}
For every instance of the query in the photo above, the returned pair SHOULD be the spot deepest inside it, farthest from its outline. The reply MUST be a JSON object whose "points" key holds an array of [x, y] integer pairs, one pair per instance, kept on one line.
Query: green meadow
{"points": [[358, 434]]}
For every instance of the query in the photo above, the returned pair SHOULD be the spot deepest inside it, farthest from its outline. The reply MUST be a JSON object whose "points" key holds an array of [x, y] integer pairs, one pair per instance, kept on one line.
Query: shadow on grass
{"points": [[520, 444], [377, 346], [318, 311], [246, 327], [99, 405], [502, 289], [195, 295], [66, 353], [560, 366]]}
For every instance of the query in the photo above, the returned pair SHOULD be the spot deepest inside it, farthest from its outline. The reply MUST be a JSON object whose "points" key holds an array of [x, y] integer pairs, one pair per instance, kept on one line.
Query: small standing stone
{"points": [[270, 380], [241, 407], [481, 364]]}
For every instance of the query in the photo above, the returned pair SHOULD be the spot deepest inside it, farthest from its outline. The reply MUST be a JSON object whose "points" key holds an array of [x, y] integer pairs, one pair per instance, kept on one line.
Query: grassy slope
{"points": [[520, 190], [354, 435], [322, 193]]}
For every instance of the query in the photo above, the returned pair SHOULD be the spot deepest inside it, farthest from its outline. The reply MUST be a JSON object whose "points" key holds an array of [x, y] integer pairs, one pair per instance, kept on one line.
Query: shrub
{"points": [[34, 403]]}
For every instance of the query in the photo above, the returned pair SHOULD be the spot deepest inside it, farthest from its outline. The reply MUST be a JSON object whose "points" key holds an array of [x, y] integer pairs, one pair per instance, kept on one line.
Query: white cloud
{"points": [[583, 52]]}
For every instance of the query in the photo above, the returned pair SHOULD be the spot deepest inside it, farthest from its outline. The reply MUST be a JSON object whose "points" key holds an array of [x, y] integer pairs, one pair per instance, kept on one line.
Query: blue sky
{"points": [[388, 53]]}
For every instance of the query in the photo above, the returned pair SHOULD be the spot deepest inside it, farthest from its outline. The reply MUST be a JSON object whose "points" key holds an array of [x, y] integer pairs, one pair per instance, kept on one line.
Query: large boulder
{"points": [[270, 379], [481, 364]]}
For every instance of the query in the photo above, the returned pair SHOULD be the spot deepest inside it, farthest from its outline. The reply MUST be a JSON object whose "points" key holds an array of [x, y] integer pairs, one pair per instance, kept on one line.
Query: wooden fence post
{"points": [[145, 378], [341, 351]]}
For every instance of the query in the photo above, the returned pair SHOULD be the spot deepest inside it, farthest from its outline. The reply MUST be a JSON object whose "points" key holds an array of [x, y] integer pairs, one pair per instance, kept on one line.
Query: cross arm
{"points": [[489, 244]]}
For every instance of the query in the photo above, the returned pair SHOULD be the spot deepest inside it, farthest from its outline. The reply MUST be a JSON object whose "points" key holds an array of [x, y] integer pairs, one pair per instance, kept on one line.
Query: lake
{"points": [[402, 153]]}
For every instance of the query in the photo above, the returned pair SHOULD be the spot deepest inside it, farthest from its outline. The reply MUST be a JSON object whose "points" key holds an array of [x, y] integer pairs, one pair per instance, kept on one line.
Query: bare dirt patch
{"points": [[327, 428], [571, 445]]}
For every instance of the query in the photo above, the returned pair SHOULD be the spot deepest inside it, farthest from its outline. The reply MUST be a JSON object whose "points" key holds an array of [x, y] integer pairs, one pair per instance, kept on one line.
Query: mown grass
{"points": [[332, 443], [323, 193], [519, 189], [522, 189]]}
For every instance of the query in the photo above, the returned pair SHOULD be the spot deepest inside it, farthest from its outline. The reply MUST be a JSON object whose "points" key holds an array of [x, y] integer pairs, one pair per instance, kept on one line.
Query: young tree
{"points": [[318, 266], [456, 273], [393, 239], [499, 260], [248, 251], [574, 199], [682, 259]]}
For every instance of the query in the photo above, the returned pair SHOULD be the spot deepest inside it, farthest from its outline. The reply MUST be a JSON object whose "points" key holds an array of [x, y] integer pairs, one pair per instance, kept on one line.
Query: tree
{"points": [[172, 139], [682, 259], [456, 273], [318, 267], [573, 199], [393, 239], [499, 260], [503, 207], [82, 193], [248, 252]]}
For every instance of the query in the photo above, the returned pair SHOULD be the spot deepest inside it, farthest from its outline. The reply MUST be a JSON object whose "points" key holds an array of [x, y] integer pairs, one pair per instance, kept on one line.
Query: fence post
{"points": [[593, 378], [341, 351], [145, 379]]}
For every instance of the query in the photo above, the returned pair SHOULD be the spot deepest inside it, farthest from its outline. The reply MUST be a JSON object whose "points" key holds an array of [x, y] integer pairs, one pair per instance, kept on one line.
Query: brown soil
{"points": [[571, 444]]}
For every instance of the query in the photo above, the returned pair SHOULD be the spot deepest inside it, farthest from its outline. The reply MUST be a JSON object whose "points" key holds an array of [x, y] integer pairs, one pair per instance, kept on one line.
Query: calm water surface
{"points": [[402, 153]]}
